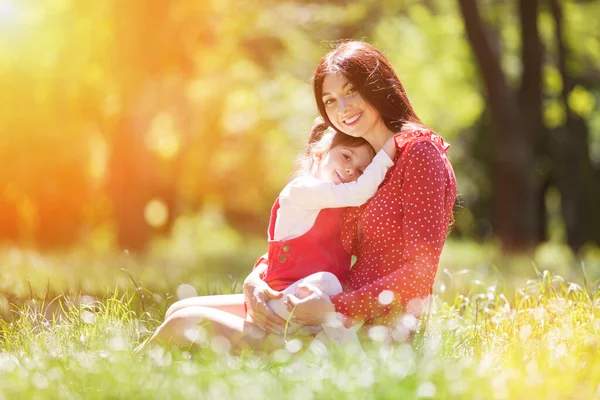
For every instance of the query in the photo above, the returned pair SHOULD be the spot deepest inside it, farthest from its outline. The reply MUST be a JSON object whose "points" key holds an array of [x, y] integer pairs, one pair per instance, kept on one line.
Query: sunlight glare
{"points": [[8, 11]]}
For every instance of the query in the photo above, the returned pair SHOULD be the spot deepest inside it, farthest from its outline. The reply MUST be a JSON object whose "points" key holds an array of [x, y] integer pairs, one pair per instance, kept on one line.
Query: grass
{"points": [[489, 335]]}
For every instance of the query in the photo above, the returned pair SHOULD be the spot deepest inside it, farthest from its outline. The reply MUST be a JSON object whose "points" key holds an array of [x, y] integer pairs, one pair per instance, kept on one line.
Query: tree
{"points": [[576, 177], [522, 140], [517, 122]]}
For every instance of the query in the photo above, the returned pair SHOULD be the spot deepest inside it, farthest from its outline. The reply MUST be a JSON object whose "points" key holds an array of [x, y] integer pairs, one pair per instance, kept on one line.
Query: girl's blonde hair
{"points": [[322, 139]]}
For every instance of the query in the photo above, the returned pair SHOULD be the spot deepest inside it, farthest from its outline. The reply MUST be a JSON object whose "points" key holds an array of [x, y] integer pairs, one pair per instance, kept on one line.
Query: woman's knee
{"points": [[181, 327], [178, 305], [231, 303], [175, 322]]}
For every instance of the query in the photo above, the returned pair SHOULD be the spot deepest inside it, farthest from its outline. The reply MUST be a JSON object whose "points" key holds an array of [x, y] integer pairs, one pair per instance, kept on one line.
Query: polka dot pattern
{"points": [[398, 235]]}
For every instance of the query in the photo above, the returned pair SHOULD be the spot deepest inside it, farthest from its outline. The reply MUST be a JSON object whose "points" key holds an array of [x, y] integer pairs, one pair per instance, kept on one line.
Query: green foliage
{"points": [[185, 104]]}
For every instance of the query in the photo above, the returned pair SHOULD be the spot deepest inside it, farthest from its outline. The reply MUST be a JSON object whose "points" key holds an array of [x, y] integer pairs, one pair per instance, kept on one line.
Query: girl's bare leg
{"points": [[231, 303]]}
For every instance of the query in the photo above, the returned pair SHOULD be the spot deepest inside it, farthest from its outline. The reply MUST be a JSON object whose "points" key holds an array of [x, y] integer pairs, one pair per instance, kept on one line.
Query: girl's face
{"points": [[345, 107], [343, 164]]}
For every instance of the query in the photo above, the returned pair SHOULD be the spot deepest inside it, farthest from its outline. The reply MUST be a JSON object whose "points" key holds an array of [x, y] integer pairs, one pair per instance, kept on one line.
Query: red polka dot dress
{"points": [[398, 235]]}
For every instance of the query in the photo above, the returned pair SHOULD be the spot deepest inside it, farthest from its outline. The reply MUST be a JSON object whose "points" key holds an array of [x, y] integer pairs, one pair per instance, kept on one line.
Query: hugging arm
{"points": [[257, 295], [310, 192]]}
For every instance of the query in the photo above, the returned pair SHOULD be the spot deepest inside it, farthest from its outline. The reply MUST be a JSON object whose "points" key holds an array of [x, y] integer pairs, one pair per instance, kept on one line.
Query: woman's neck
{"points": [[378, 135]]}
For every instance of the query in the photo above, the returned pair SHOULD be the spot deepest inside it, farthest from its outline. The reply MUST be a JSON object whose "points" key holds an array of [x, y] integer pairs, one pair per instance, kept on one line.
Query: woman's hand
{"points": [[257, 294], [315, 309]]}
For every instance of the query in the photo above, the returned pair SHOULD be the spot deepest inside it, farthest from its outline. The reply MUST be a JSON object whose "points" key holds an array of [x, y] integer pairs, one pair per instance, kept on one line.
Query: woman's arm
{"points": [[310, 192], [424, 229], [425, 221], [257, 294]]}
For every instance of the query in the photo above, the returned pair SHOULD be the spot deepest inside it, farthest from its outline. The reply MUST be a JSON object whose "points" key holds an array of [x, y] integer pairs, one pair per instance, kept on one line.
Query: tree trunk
{"points": [[517, 120], [146, 51], [127, 186], [576, 177]]}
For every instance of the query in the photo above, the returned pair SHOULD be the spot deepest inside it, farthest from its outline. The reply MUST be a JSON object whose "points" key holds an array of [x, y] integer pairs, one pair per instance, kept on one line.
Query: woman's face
{"points": [[345, 107], [343, 164]]}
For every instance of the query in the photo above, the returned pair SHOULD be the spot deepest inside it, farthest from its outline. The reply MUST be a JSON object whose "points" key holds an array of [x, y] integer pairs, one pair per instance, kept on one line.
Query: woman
{"points": [[397, 236]]}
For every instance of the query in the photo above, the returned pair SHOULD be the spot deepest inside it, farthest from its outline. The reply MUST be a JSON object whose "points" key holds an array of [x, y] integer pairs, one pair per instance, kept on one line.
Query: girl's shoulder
{"points": [[299, 181], [304, 180], [298, 184]]}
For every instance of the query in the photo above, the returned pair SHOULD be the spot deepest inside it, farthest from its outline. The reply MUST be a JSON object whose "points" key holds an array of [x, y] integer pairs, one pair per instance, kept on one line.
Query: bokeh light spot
{"points": [[294, 345], [525, 332], [162, 138], [88, 317], [379, 333], [426, 390], [220, 345], [581, 101], [410, 322], [385, 297], [156, 213], [185, 291], [196, 335], [281, 356]]}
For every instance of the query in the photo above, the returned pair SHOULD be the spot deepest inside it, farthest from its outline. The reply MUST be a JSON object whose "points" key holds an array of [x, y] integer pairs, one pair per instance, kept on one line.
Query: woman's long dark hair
{"points": [[374, 78]]}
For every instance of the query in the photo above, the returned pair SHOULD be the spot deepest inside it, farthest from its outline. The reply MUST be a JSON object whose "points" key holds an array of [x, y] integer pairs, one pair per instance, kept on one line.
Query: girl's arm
{"points": [[310, 192]]}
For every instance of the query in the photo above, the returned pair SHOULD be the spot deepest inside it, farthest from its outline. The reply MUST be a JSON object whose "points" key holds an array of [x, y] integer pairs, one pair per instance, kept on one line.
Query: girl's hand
{"points": [[390, 147], [257, 293], [314, 309]]}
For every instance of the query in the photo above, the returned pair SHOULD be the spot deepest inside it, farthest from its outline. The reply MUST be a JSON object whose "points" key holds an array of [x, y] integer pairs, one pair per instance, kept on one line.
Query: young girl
{"points": [[305, 247]]}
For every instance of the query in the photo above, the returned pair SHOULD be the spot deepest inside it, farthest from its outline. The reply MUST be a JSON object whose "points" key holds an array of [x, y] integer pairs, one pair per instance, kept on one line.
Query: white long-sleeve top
{"points": [[302, 199]]}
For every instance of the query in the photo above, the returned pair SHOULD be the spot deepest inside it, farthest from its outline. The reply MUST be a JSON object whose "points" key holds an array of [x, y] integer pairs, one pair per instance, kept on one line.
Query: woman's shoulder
{"points": [[419, 148], [413, 134]]}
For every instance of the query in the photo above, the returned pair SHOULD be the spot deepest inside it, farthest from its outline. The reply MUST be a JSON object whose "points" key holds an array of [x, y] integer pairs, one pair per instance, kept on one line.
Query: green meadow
{"points": [[485, 336]]}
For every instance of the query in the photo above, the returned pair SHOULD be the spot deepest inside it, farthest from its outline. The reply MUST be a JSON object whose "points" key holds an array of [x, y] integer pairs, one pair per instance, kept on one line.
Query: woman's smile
{"points": [[352, 120]]}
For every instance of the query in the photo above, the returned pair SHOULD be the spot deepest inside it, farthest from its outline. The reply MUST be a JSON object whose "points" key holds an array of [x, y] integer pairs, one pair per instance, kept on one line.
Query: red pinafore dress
{"points": [[320, 249]]}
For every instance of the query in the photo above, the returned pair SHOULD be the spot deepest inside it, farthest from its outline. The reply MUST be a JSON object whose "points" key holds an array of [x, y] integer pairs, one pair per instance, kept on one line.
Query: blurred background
{"points": [[158, 133]]}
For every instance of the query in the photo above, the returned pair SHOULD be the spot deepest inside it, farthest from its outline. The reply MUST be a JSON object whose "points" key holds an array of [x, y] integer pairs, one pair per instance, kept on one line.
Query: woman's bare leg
{"points": [[182, 326], [231, 303]]}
